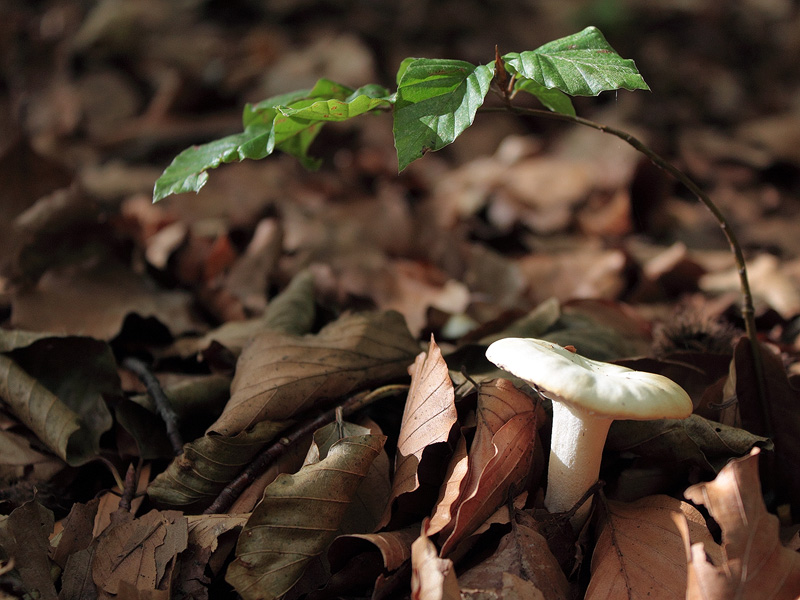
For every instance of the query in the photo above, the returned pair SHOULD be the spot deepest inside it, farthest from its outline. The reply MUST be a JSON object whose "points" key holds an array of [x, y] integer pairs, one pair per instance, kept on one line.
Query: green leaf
{"points": [[188, 171], [359, 102], [288, 122], [552, 98], [582, 64], [436, 101]]}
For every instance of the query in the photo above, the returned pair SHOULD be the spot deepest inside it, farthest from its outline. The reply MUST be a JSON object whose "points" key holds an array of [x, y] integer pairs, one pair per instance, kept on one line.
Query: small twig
{"points": [[128, 489], [272, 452], [162, 403], [747, 310]]}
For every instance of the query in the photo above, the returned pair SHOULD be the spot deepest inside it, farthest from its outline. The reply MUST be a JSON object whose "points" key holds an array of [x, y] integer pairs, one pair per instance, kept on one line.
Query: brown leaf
{"points": [[77, 531], [24, 538], [141, 552], [208, 464], [394, 546], [429, 415], [204, 541], [753, 564], [450, 491], [297, 518], [432, 578], [782, 402], [639, 553], [279, 376], [109, 292], [499, 458], [524, 555]]}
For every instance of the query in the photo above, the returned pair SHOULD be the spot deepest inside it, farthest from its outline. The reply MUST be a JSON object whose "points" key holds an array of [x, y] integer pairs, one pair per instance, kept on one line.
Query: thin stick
{"points": [[162, 403], [747, 311], [272, 452]]}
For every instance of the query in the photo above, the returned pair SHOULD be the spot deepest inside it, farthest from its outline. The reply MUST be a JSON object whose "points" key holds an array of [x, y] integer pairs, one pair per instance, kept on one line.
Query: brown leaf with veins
{"points": [[429, 415], [754, 564], [141, 552], [281, 375], [499, 458], [639, 553]]}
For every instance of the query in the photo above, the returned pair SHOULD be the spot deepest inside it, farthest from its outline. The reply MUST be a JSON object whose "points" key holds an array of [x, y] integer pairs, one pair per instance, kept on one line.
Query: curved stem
{"points": [[747, 310]]}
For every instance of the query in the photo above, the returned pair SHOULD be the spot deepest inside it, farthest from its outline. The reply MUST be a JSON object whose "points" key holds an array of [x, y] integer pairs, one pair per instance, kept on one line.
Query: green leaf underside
{"points": [[552, 98], [436, 101], [288, 122], [582, 64]]}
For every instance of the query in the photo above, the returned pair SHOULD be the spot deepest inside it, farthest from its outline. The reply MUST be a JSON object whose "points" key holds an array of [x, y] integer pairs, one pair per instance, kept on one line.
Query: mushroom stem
{"points": [[576, 451]]}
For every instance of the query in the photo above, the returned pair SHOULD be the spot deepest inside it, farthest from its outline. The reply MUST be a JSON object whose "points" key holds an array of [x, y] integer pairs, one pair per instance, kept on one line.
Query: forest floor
{"points": [[276, 294]]}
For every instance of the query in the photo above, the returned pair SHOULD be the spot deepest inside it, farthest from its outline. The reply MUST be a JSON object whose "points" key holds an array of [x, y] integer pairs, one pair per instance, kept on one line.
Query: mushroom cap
{"points": [[599, 388]]}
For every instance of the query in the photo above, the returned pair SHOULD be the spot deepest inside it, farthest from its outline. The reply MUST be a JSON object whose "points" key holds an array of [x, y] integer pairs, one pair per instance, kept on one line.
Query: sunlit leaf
{"points": [[640, 550], [555, 100], [582, 64], [436, 101], [429, 415], [753, 564]]}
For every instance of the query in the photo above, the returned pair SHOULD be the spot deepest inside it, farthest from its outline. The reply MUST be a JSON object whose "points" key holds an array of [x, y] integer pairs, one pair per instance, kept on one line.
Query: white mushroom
{"points": [[587, 396]]}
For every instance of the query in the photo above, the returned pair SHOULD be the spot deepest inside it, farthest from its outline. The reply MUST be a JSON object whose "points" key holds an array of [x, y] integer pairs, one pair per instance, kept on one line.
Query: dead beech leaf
{"points": [[450, 492], [370, 499], [432, 578], [394, 547], [208, 464], [109, 292], [70, 423], [209, 536], [428, 417], [639, 553], [279, 376], [297, 519], [291, 311], [499, 459], [524, 555], [140, 552], [753, 564], [24, 538], [696, 440], [783, 398]]}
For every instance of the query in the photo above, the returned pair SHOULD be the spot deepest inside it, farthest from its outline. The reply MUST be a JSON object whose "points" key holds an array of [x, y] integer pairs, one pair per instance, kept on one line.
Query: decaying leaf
{"points": [[429, 415], [499, 458], [523, 562], [24, 540], [298, 517], [432, 578], [753, 564], [279, 376], [55, 387], [639, 553], [141, 553], [208, 464]]}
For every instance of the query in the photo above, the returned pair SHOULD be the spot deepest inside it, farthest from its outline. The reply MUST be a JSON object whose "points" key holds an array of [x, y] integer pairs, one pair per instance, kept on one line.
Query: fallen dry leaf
{"points": [[297, 519], [499, 459], [639, 553], [24, 539], [279, 376], [428, 417], [432, 578], [753, 563], [141, 552], [522, 560]]}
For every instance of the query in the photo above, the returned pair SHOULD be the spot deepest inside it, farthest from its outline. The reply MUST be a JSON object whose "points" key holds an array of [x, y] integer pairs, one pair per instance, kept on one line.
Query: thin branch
{"points": [[162, 403], [747, 311]]}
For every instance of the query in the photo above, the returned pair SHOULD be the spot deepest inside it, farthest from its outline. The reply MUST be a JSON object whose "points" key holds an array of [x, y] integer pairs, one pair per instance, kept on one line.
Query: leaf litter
{"points": [[276, 294]]}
